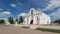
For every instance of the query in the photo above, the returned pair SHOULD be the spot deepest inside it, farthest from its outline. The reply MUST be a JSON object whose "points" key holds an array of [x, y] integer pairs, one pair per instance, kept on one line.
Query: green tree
{"points": [[21, 19], [11, 20], [2, 21], [57, 21]]}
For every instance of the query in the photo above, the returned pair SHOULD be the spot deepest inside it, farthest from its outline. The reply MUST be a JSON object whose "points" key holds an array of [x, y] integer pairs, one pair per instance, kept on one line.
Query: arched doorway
{"points": [[31, 22]]}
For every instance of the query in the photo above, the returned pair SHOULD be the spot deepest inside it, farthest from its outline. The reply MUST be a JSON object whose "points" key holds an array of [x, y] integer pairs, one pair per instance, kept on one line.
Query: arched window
{"points": [[37, 17], [38, 20]]}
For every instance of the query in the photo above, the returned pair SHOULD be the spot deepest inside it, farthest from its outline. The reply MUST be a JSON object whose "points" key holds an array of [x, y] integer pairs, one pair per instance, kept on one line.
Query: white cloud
{"points": [[5, 13], [53, 4], [22, 14], [20, 4], [56, 14], [1, 9], [13, 5]]}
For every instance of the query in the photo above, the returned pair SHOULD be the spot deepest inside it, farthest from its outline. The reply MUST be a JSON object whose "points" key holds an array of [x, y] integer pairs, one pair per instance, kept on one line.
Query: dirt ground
{"points": [[19, 30]]}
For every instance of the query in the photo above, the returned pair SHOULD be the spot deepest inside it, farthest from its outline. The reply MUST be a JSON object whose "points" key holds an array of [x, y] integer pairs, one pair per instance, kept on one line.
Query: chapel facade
{"points": [[37, 17]]}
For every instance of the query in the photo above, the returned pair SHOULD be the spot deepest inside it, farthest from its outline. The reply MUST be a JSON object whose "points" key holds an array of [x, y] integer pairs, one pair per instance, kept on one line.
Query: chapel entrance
{"points": [[31, 22]]}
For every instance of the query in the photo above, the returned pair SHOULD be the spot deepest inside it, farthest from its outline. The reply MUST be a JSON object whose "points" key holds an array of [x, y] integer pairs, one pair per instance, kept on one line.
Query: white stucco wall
{"points": [[43, 18]]}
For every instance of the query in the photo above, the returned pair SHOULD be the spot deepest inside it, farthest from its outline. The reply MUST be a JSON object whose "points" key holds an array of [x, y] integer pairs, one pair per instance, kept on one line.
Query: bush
{"points": [[2, 21]]}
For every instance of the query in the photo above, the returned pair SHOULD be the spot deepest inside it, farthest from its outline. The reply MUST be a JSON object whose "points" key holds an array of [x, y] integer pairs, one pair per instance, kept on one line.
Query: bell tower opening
{"points": [[31, 14], [31, 22]]}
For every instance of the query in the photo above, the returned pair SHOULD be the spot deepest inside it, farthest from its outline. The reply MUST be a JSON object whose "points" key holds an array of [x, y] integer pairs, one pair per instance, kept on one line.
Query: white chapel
{"points": [[37, 17]]}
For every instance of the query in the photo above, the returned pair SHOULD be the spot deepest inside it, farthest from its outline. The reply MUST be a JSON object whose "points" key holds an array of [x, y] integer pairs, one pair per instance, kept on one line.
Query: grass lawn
{"points": [[25, 27], [48, 30]]}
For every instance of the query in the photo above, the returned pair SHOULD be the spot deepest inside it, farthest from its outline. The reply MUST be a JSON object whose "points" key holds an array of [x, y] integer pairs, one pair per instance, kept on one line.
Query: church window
{"points": [[37, 19]]}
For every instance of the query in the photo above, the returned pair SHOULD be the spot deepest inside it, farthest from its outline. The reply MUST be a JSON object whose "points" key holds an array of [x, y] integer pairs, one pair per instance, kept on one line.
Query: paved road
{"points": [[19, 30]]}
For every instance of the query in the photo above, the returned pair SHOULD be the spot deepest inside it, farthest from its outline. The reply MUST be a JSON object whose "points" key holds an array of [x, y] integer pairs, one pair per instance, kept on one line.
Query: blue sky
{"points": [[16, 7]]}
